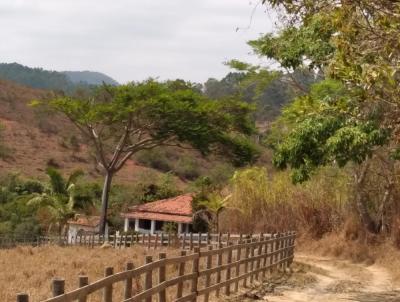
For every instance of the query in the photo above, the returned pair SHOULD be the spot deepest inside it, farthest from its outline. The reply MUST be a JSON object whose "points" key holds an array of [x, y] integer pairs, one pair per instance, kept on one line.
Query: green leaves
{"points": [[172, 112], [293, 45], [323, 140]]}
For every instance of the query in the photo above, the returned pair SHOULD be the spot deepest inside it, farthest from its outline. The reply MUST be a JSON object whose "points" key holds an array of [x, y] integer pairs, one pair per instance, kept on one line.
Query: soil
{"points": [[323, 279]]}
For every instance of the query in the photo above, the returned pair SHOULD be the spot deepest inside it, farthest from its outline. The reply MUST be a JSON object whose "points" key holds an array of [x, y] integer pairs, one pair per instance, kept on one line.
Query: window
{"points": [[145, 224], [159, 225]]}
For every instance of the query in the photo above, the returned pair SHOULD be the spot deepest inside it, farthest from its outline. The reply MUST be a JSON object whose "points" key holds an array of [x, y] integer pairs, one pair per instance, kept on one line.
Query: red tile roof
{"points": [[89, 221], [176, 209]]}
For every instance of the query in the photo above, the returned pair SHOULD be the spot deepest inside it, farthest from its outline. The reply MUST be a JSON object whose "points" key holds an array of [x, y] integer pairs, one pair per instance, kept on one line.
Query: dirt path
{"points": [[324, 279]]}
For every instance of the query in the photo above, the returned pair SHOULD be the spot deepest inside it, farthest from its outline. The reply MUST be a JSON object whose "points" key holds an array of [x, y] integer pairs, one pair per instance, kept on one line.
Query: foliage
{"points": [[214, 204], [5, 152], [170, 228], [58, 198], [120, 121], [325, 130], [354, 116], [66, 82], [265, 201]]}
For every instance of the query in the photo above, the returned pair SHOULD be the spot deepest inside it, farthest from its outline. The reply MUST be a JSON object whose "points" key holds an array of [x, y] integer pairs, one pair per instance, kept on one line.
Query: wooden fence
{"points": [[206, 271], [185, 240]]}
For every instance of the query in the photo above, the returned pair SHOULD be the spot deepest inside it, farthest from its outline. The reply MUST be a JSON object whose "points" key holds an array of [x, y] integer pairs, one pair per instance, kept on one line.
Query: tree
{"points": [[352, 114], [214, 205], [120, 121], [59, 198]]}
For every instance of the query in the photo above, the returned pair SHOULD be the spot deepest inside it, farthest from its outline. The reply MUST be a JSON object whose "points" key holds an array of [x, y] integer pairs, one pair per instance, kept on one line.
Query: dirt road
{"points": [[324, 279]]}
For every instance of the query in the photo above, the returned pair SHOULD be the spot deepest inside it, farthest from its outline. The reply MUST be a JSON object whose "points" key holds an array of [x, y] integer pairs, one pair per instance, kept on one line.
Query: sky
{"points": [[131, 40]]}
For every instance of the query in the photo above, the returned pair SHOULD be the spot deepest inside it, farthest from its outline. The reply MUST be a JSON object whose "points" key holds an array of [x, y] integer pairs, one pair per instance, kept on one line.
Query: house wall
{"points": [[151, 226], [74, 230]]}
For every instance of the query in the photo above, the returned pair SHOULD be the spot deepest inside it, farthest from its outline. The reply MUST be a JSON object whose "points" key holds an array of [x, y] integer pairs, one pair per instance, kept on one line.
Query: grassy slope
{"points": [[37, 137]]}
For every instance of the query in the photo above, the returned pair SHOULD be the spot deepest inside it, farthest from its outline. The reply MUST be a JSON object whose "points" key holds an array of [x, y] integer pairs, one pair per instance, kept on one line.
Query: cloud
{"points": [[131, 39]]}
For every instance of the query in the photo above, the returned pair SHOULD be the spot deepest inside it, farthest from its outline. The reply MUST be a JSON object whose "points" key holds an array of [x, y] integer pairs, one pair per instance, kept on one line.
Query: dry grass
{"points": [[363, 250], [30, 270]]}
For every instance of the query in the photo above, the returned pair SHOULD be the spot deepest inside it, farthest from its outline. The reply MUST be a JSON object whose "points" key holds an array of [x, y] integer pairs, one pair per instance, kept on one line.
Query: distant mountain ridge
{"points": [[67, 81], [89, 77]]}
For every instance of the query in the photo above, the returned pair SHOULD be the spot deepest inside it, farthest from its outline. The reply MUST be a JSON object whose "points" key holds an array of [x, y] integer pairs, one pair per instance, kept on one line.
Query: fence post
{"points": [[271, 253], [228, 270], [181, 272], [277, 246], [238, 255], [183, 241], [252, 249], [128, 282], [58, 287], [149, 277], [284, 253], [259, 253], [120, 240], [219, 240], [83, 281], [169, 239], [219, 263], [162, 239], [191, 241], [115, 240], [195, 270], [208, 276], [208, 238], [266, 239], [149, 241], [161, 278], [108, 290], [246, 261], [22, 297], [155, 243]]}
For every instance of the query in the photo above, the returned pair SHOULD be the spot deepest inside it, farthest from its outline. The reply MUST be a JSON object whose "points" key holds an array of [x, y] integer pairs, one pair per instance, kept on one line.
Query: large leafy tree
{"points": [[120, 121], [354, 112]]}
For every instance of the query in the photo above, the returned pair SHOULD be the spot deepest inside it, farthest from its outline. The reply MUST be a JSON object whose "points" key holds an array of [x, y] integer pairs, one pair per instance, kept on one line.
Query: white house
{"points": [[82, 225], [151, 217]]}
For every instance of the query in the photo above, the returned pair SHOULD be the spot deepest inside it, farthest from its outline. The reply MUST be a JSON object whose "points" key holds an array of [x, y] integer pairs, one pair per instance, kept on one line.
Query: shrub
{"points": [[188, 168], [155, 158], [317, 206]]}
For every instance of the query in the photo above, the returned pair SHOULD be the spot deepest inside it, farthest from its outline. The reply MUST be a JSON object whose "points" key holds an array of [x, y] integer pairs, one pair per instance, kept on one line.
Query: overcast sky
{"points": [[131, 39]]}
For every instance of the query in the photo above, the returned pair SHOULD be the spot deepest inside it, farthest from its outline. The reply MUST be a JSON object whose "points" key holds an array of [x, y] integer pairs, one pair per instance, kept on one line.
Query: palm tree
{"points": [[58, 197], [214, 205]]}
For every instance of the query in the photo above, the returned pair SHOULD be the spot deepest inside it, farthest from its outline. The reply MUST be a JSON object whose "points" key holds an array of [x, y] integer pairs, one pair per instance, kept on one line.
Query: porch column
{"points": [[137, 224], [153, 227], [126, 224], [179, 228]]}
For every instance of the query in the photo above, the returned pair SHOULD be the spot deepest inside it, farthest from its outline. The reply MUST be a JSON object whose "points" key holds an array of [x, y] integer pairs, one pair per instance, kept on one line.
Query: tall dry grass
{"points": [[30, 270], [270, 202]]}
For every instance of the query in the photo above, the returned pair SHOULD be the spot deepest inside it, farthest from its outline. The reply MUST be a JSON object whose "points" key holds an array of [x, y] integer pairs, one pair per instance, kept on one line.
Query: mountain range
{"points": [[66, 81]]}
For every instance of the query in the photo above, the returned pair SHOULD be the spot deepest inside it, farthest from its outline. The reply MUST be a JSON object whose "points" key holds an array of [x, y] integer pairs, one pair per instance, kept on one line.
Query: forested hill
{"points": [[52, 80], [270, 99], [89, 77]]}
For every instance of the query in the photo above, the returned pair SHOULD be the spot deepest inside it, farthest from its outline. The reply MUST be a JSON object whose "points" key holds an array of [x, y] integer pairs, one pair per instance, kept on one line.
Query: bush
{"points": [[188, 168], [155, 158], [270, 202]]}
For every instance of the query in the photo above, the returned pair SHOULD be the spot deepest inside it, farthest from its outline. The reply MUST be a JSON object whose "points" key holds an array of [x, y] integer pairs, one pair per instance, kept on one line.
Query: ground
{"points": [[311, 277], [324, 279]]}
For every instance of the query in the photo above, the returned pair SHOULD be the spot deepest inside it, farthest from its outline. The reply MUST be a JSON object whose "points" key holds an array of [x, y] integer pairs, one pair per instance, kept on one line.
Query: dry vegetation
{"points": [[27, 269]]}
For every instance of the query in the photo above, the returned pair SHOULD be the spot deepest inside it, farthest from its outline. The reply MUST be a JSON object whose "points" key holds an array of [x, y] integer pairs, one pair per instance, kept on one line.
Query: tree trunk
{"points": [[366, 219], [104, 202], [361, 200]]}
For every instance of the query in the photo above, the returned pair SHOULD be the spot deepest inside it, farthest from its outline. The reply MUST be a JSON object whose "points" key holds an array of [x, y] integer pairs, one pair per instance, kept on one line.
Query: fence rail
{"points": [[208, 271], [184, 240]]}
